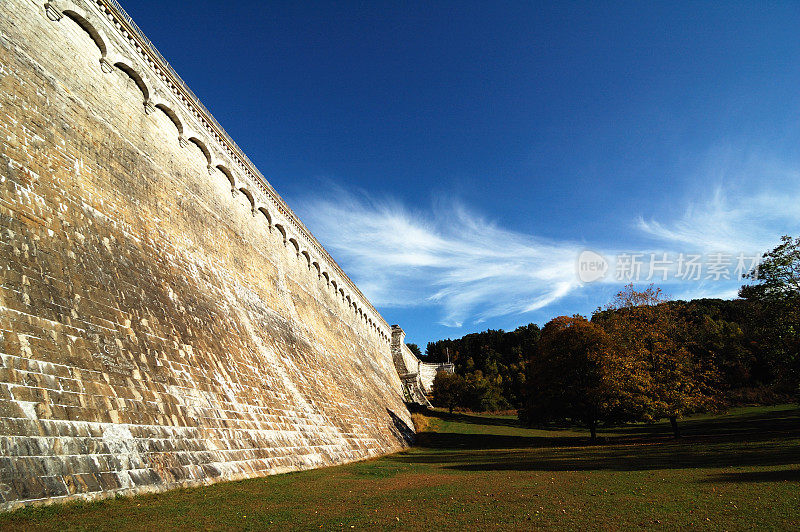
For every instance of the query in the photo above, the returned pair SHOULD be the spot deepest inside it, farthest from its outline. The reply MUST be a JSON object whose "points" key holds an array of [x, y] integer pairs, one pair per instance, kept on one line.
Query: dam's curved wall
{"points": [[165, 319]]}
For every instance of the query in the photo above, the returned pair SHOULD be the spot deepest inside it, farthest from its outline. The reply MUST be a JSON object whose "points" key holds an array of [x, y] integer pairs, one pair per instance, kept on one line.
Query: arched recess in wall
{"points": [[295, 245], [335, 286], [282, 231], [90, 29], [203, 148], [265, 212], [229, 175], [93, 33], [137, 79], [173, 117], [327, 278], [317, 267], [249, 196]]}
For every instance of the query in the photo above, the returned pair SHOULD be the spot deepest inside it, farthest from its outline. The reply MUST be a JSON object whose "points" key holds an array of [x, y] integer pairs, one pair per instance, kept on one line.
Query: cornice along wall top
{"points": [[115, 33]]}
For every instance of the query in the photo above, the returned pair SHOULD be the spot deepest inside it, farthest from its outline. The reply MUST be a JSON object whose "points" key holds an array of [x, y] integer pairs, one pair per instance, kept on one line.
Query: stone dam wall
{"points": [[165, 319]]}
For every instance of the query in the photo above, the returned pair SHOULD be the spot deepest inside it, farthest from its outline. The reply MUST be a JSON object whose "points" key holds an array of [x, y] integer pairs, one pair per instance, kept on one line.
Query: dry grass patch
{"points": [[422, 423]]}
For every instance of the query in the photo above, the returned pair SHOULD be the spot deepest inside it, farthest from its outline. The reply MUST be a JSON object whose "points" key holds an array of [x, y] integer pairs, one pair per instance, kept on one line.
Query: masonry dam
{"points": [[165, 319]]}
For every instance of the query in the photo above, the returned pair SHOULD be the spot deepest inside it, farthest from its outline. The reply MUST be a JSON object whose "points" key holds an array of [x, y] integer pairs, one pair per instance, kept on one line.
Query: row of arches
{"points": [[109, 60], [339, 291]]}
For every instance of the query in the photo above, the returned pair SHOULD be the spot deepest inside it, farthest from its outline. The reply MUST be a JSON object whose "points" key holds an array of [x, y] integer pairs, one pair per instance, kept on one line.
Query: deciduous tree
{"points": [[655, 335], [775, 283], [448, 390], [575, 374], [777, 276]]}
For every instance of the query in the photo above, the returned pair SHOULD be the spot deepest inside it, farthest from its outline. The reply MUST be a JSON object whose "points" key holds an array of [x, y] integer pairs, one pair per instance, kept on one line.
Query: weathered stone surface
{"points": [[165, 319]]}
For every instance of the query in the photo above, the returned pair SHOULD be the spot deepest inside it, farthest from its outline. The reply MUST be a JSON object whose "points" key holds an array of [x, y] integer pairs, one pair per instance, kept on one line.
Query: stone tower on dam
{"points": [[165, 318]]}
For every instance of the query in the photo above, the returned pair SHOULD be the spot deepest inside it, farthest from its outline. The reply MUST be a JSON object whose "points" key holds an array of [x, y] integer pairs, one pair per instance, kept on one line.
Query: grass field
{"points": [[731, 472]]}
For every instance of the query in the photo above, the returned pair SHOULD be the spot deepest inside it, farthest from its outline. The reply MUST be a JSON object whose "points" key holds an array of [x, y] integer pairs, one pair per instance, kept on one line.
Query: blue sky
{"points": [[457, 157]]}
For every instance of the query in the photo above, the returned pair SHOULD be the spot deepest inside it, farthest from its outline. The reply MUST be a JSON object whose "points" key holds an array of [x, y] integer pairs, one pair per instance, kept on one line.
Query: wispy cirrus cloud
{"points": [[743, 201], [452, 257], [729, 222], [737, 222], [448, 256]]}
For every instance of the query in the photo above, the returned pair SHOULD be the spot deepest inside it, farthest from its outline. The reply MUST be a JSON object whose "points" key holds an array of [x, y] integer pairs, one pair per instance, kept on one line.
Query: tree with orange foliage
{"points": [[655, 335], [576, 374]]}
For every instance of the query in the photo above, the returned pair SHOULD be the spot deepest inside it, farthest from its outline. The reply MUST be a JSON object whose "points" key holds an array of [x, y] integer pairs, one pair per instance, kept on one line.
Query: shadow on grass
{"points": [[613, 458], [783, 475], [475, 419], [759, 439], [755, 426], [742, 427]]}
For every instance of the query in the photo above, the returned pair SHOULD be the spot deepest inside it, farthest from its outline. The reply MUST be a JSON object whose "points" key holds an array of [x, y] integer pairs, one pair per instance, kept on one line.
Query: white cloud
{"points": [[742, 205], [450, 257], [729, 223]]}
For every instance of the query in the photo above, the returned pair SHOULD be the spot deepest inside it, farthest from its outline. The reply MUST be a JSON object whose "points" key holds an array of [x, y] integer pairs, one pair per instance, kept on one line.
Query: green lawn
{"points": [[731, 472]]}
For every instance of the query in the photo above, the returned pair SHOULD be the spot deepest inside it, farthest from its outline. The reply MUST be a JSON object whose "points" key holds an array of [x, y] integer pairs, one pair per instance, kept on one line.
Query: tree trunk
{"points": [[673, 420]]}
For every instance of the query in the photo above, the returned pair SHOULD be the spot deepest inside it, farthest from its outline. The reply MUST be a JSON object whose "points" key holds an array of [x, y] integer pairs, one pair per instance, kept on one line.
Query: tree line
{"points": [[639, 358]]}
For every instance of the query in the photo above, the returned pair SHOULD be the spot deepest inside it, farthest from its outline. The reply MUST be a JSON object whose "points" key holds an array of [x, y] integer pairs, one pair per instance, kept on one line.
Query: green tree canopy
{"points": [[414, 348], [777, 277], [775, 284], [494, 363], [448, 390]]}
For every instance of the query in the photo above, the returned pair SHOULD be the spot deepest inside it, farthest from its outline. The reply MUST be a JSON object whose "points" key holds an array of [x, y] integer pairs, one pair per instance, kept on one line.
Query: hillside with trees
{"points": [[492, 364], [641, 357]]}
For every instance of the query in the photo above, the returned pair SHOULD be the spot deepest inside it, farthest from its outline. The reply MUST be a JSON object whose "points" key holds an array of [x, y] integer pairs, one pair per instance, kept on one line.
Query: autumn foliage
{"points": [[657, 337], [641, 357], [631, 362], [576, 374]]}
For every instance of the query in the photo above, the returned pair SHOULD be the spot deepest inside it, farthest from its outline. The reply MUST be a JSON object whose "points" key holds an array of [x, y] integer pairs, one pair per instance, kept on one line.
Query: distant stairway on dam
{"points": [[417, 376]]}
